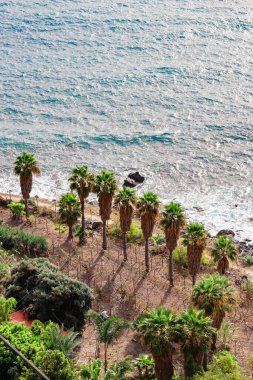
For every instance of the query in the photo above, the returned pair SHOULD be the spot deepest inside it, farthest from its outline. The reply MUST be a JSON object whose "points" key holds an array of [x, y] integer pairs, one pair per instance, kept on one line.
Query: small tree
{"points": [[25, 166], [158, 330], [214, 295], [82, 181], [195, 239], [126, 200], [148, 207], [69, 210], [196, 337], [92, 371], [17, 210], [223, 251], [7, 306], [145, 366], [172, 223], [105, 188], [107, 331], [56, 339]]}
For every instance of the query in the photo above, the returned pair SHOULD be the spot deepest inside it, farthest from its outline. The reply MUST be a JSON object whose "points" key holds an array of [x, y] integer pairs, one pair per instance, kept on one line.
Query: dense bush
{"points": [[248, 260], [28, 244], [180, 257], [46, 293], [134, 235]]}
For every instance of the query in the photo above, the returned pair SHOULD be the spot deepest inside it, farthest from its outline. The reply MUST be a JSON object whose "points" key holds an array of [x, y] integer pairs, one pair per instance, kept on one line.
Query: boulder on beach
{"points": [[129, 183], [226, 232], [137, 177]]}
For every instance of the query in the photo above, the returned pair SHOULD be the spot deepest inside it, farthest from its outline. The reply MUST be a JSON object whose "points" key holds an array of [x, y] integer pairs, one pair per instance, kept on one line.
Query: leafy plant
{"points": [[248, 260], [4, 270], [61, 228], [7, 306], [17, 210], [226, 334], [47, 294], [92, 371], [145, 366], [57, 339], [119, 370]]}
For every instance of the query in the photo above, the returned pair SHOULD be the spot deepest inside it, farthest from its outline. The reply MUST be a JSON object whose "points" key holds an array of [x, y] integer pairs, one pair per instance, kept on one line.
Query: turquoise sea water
{"points": [[163, 87]]}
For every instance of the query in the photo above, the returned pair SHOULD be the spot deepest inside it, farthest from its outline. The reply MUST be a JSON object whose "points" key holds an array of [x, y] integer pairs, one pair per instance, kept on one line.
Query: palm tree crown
{"points": [[148, 206], [214, 295], [69, 210], [105, 183], [26, 164], [223, 250], [173, 216], [82, 181], [195, 235]]}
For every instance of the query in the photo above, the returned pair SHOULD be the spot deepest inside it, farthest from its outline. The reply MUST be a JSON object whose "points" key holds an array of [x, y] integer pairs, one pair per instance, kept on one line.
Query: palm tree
{"points": [[145, 366], [158, 330], [107, 331], [25, 166], [69, 210], [195, 239], [57, 340], [105, 187], [91, 371], [148, 206], [214, 295], [126, 200], [172, 223], [196, 337], [82, 181], [223, 251]]}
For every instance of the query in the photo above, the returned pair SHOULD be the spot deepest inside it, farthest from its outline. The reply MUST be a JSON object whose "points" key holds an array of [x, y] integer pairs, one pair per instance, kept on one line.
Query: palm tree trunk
{"points": [[105, 357], [82, 240], [214, 340], [70, 232], [193, 279], [26, 207], [104, 235], [125, 246], [171, 274], [146, 255], [163, 367]]}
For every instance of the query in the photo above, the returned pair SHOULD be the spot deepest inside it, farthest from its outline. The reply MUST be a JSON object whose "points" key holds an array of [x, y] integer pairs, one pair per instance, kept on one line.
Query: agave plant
{"points": [[25, 166], [148, 208], [82, 181], [195, 239], [159, 329], [172, 222], [223, 251], [105, 188], [126, 200], [214, 295]]}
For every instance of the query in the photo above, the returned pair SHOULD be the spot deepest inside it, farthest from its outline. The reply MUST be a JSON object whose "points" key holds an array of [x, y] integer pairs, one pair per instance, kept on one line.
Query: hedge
{"points": [[26, 243]]}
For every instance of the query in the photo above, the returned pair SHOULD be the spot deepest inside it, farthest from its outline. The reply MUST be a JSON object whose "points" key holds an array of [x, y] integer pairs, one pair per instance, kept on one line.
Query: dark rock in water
{"points": [[129, 183], [137, 177], [225, 232], [199, 209]]}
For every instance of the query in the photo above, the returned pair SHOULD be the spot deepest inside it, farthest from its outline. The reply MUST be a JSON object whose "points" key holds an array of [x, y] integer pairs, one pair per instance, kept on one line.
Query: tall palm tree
{"points": [[172, 222], [223, 251], [195, 239], [158, 330], [107, 331], [105, 188], [82, 181], [196, 337], [214, 295], [69, 210], [25, 166], [126, 200], [148, 207]]}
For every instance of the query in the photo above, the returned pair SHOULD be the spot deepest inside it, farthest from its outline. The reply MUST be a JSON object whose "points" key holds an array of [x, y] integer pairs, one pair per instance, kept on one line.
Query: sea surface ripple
{"points": [[163, 87]]}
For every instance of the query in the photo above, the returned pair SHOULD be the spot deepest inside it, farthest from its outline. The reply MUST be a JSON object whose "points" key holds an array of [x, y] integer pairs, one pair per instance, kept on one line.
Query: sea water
{"points": [[160, 86]]}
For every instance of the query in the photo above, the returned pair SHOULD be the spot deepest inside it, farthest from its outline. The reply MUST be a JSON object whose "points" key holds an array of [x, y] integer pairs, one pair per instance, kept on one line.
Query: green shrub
{"points": [[26, 243], [135, 234], [180, 257], [47, 294], [17, 210], [61, 228], [7, 306], [248, 260], [4, 270]]}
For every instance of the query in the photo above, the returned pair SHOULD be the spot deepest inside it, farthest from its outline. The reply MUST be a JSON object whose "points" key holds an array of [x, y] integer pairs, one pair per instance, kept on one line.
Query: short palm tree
{"points": [[145, 367], [126, 200], [69, 210], [223, 251], [91, 371], [56, 339], [148, 208], [172, 222], [107, 331], [105, 188], [195, 239], [25, 166], [214, 295], [82, 181], [158, 330], [195, 337]]}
